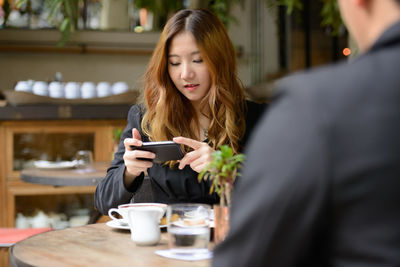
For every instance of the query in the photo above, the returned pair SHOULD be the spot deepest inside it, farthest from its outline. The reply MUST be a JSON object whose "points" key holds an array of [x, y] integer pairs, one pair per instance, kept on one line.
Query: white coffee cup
{"points": [[119, 88], [143, 222], [103, 89], [122, 210], [40, 88], [71, 90], [88, 90], [56, 90]]}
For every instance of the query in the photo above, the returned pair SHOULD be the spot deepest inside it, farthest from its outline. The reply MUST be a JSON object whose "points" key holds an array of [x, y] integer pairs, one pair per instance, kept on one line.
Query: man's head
{"points": [[367, 19]]}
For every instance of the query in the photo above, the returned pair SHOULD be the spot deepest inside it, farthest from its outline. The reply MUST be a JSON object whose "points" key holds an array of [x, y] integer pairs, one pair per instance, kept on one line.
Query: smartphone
{"points": [[164, 150]]}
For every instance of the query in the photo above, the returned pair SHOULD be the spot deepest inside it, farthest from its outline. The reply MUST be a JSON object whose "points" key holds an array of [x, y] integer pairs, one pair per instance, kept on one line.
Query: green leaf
{"points": [[65, 25], [331, 16], [222, 171], [329, 12], [20, 3]]}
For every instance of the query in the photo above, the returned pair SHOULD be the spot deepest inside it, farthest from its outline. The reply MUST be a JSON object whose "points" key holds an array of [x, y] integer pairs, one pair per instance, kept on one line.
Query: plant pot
{"points": [[221, 223], [114, 15]]}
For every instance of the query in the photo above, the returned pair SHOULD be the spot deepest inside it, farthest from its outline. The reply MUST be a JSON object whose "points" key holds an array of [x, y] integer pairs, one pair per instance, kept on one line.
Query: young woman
{"points": [[192, 96]]}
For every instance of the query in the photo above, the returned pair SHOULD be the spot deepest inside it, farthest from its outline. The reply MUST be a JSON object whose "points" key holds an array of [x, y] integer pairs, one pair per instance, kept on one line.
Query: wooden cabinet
{"points": [[22, 142]]}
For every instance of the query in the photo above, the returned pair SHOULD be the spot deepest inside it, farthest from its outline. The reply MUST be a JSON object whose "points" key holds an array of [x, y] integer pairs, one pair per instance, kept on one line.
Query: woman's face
{"points": [[186, 68]]}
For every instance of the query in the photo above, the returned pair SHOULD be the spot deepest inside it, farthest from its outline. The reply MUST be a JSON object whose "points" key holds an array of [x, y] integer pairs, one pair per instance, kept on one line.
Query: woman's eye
{"points": [[174, 63], [198, 61]]}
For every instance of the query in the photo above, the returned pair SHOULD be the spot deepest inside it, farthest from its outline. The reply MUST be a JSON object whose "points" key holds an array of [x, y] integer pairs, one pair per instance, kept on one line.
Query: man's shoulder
{"points": [[320, 79], [332, 85], [324, 93]]}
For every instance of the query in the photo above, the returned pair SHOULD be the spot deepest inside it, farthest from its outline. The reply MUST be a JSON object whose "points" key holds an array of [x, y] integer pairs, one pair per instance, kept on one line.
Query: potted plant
{"points": [[222, 171], [69, 9]]}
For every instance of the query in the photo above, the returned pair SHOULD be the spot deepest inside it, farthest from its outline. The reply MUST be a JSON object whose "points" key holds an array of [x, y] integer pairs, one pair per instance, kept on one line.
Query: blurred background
{"points": [[112, 40]]}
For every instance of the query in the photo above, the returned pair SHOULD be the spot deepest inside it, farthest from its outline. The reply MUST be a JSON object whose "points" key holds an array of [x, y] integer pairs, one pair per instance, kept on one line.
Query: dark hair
{"points": [[168, 112]]}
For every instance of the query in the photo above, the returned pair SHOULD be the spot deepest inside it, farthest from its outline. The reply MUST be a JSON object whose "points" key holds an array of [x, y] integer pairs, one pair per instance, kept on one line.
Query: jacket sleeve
{"points": [[111, 191]]}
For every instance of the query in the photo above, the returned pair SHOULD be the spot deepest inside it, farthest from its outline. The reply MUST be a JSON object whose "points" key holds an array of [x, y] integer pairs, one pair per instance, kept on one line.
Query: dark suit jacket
{"points": [[321, 186]]}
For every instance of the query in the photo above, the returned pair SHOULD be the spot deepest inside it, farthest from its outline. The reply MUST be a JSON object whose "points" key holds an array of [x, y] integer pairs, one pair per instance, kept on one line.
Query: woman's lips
{"points": [[191, 87]]}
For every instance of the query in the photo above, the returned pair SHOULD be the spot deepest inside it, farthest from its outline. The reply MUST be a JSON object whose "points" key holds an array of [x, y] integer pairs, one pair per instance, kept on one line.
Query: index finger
{"points": [[187, 141], [136, 134]]}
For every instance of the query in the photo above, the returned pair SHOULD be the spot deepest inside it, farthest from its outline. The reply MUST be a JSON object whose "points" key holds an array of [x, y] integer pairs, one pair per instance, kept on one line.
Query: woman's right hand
{"points": [[134, 165]]}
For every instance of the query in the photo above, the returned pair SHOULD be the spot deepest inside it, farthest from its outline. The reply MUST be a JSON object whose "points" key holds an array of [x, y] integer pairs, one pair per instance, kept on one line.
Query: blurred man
{"points": [[321, 186]]}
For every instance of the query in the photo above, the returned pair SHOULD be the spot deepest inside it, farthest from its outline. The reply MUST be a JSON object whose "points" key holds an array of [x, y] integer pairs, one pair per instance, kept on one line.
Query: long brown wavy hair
{"points": [[168, 112]]}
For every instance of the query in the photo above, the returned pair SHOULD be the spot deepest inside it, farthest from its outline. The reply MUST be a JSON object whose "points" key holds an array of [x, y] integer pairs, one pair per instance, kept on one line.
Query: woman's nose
{"points": [[187, 72]]}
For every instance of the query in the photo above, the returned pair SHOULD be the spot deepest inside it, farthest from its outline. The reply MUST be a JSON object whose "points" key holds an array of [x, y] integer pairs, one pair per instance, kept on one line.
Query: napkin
{"points": [[184, 256], [10, 236]]}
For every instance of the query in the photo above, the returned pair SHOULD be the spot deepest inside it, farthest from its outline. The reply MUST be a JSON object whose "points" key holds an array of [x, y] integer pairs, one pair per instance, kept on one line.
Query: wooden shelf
{"points": [[81, 42], [72, 49], [13, 189], [65, 112], [20, 188]]}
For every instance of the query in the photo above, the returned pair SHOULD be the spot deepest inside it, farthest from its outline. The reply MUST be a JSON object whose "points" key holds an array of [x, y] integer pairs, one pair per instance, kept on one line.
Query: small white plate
{"points": [[117, 225], [184, 256], [44, 164]]}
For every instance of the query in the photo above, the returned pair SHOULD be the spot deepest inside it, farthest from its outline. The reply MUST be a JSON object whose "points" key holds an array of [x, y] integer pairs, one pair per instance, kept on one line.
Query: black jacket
{"points": [[168, 185], [321, 186]]}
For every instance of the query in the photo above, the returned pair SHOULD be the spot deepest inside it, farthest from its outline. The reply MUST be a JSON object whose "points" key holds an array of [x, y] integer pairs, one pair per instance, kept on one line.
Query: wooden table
{"points": [[66, 177], [91, 245]]}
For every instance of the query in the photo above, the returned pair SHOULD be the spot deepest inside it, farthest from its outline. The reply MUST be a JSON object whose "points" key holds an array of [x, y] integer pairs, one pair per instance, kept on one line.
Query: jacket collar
{"points": [[390, 36]]}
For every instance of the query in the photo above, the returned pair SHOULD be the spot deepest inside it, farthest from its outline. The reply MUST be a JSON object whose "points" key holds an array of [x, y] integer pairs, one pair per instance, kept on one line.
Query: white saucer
{"points": [[44, 164], [184, 256], [117, 225]]}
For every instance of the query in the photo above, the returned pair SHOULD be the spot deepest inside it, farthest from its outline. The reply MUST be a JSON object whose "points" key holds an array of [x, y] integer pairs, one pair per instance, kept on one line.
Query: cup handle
{"points": [[110, 213]]}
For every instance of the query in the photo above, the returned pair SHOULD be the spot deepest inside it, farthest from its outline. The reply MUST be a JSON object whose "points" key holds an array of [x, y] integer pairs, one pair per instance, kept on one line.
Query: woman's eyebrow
{"points": [[192, 54]]}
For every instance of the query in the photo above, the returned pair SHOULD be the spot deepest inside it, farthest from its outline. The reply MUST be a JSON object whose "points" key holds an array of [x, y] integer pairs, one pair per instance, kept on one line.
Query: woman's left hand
{"points": [[198, 158]]}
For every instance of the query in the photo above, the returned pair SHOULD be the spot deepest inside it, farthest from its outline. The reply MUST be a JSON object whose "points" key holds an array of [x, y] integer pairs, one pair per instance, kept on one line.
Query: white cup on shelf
{"points": [[71, 90], [88, 90], [40, 220], [40, 88], [56, 90], [119, 88], [24, 86], [103, 89], [21, 221]]}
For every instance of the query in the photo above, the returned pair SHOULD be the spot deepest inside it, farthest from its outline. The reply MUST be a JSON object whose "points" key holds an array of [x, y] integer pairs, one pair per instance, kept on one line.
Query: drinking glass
{"points": [[84, 158], [188, 228]]}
